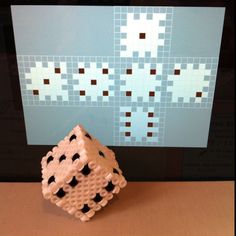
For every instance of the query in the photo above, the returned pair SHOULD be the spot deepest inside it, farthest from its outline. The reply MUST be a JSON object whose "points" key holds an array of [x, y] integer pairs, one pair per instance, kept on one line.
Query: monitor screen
{"points": [[152, 80], [131, 75]]}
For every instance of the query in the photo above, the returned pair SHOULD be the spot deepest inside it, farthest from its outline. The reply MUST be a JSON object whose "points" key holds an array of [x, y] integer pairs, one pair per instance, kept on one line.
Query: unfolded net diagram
{"points": [[136, 76]]}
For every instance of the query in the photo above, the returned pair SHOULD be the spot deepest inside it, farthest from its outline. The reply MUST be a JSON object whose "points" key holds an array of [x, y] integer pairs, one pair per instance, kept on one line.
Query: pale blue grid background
{"points": [[206, 103], [158, 120], [63, 30], [120, 19], [58, 121], [197, 31], [168, 55], [25, 63]]}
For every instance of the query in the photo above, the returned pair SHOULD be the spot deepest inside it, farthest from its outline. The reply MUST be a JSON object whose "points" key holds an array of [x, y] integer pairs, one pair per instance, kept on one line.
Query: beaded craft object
{"points": [[81, 175]]}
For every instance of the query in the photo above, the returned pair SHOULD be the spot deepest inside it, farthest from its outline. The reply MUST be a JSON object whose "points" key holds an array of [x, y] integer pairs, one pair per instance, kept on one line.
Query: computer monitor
{"points": [[141, 79], [133, 76]]}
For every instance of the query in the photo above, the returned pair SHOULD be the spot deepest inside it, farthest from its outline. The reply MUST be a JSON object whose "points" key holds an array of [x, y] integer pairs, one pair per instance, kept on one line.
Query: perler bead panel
{"points": [[111, 67]]}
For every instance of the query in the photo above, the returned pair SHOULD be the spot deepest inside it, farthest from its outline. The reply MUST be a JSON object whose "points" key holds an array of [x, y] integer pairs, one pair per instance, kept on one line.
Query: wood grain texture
{"points": [[157, 208]]}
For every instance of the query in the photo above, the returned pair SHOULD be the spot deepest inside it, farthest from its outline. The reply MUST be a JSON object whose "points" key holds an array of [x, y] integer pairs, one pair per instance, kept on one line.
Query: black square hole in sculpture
{"points": [[97, 198], [73, 182], [63, 157], [115, 171], [88, 136], [86, 170], [85, 208], [51, 179], [50, 159], [76, 156], [110, 186], [61, 193], [72, 137], [101, 154]]}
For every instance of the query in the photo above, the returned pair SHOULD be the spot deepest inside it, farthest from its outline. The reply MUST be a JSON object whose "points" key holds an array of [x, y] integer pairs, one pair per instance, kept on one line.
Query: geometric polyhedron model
{"points": [[80, 175]]}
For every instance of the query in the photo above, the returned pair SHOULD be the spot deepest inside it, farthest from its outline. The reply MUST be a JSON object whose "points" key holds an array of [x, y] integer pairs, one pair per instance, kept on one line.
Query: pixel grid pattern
{"points": [[143, 34], [94, 81], [140, 81], [189, 83], [139, 125], [47, 81]]}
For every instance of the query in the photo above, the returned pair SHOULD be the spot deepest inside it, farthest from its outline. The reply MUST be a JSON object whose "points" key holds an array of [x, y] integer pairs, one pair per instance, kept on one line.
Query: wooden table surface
{"points": [[142, 208]]}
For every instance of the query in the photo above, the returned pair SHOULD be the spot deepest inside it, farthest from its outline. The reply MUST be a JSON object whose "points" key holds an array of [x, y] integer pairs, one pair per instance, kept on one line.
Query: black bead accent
{"points": [[63, 157], [61, 193], [101, 153], [49, 159], [73, 182], [76, 156], [110, 186], [115, 171], [88, 136], [85, 208], [86, 170], [97, 198], [72, 137], [51, 179]]}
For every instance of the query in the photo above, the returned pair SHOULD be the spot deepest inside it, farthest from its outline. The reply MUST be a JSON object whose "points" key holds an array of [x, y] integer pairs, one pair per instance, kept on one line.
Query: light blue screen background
{"points": [[85, 31]]}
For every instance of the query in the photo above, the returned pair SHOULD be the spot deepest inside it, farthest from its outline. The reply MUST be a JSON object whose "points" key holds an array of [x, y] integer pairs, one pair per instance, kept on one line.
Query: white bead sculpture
{"points": [[80, 175]]}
